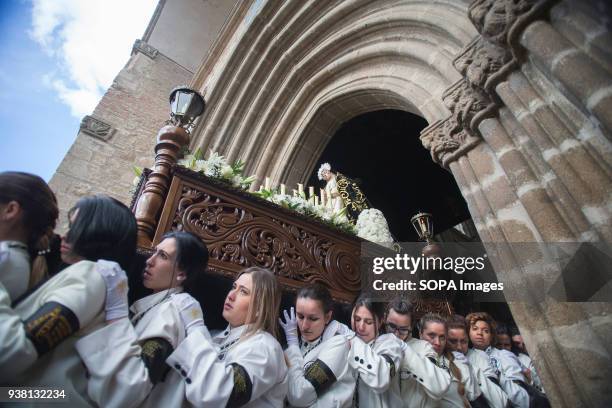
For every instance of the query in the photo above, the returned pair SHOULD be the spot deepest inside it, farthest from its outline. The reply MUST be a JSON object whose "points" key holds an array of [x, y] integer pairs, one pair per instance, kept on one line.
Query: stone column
{"points": [[583, 77], [528, 141]]}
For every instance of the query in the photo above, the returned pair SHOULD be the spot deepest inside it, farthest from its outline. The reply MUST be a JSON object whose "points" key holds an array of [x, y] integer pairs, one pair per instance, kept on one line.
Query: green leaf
{"points": [[198, 154], [238, 166]]}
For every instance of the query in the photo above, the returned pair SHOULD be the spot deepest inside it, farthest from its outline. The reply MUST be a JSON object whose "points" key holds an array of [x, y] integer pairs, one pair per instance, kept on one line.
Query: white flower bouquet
{"points": [[372, 225]]}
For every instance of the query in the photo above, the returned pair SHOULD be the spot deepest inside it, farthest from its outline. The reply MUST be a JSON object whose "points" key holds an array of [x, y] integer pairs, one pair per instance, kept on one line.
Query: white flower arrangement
{"points": [[372, 225], [300, 204], [216, 166]]}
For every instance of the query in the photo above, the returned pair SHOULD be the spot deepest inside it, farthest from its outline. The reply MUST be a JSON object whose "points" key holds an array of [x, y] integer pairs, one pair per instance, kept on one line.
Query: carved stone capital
{"points": [[482, 63], [468, 105], [501, 21], [96, 128], [146, 49], [447, 141]]}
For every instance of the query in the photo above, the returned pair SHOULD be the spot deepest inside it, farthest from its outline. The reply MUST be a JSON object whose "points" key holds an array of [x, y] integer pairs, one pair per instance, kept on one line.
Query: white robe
{"points": [[452, 398], [207, 370], [420, 382], [374, 365], [14, 268], [113, 356], [81, 289], [493, 393], [331, 354], [527, 362], [510, 370]]}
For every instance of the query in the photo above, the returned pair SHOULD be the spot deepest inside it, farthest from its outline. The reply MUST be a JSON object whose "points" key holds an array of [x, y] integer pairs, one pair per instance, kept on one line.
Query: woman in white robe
{"points": [[319, 373], [28, 213], [374, 357], [464, 391], [126, 359], [481, 332], [46, 324], [420, 382], [243, 365], [457, 340]]}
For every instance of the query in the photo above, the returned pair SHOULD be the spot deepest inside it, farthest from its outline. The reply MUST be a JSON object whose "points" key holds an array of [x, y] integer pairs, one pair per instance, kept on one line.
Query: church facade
{"points": [[517, 95]]}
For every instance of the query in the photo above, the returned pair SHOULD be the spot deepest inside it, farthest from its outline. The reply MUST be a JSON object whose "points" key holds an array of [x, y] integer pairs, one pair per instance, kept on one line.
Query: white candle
{"points": [[295, 193], [267, 183], [316, 200], [300, 189], [282, 189], [310, 192], [323, 200]]}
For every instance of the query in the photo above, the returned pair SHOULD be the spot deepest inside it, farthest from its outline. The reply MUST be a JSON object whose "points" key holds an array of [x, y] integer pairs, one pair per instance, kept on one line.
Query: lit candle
{"points": [[282, 188]]}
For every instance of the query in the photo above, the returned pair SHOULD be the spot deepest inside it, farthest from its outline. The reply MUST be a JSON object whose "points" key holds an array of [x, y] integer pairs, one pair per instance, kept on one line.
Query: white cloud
{"points": [[91, 41]]}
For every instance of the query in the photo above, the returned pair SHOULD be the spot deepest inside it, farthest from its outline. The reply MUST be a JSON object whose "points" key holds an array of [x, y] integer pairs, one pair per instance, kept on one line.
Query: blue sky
{"points": [[57, 57]]}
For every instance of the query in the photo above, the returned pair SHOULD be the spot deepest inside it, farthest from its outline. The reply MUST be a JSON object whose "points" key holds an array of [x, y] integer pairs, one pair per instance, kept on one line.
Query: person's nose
{"points": [[150, 260], [232, 295]]}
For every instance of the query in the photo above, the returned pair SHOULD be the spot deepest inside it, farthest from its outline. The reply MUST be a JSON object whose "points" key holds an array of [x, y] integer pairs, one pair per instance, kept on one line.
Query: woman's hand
{"points": [[290, 327]]}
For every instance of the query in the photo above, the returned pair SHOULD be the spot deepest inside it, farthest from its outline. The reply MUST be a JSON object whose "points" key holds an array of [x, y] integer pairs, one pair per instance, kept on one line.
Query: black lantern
{"points": [[423, 224], [186, 105]]}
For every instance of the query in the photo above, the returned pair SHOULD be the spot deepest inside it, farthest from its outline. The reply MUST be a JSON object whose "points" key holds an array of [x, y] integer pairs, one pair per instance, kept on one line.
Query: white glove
{"points": [[290, 327], [116, 289], [190, 311]]}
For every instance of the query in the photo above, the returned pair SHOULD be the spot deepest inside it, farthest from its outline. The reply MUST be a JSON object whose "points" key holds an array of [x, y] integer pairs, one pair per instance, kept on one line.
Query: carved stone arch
{"points": [[262, 94], [298, 158]]}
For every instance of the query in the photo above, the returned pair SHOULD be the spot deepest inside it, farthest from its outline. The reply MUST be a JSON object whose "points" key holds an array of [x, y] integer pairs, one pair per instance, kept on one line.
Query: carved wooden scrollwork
{"points": [[241, 231]]}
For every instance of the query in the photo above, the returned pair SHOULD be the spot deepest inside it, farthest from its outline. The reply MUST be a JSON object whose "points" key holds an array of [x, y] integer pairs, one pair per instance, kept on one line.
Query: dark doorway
{"points": [[383, 151]]}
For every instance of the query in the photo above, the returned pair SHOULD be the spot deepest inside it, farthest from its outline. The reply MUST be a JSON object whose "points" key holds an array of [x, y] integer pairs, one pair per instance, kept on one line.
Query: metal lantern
{"points": [[423, 224], [186, 105]]}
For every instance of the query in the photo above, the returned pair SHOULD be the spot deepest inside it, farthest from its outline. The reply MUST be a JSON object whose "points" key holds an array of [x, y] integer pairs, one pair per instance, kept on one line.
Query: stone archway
{"points": [[518, 95]]}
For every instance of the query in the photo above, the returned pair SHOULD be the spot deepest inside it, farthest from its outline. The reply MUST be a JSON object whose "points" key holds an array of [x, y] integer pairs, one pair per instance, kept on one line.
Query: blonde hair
{"points": [[262, 313]]}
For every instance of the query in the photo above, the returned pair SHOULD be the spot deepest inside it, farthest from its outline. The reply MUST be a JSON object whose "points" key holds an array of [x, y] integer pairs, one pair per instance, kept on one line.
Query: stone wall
{"points": [[122, 132]]}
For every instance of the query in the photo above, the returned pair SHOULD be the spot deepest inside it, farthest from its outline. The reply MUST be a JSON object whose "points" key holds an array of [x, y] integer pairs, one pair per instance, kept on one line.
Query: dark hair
{"points": [[514, 331], [317, 292], [457, 322], [401, 306], [191, 256], [104, 228], [502, 329], [37, 201], [376, 308], [474, 317]]}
